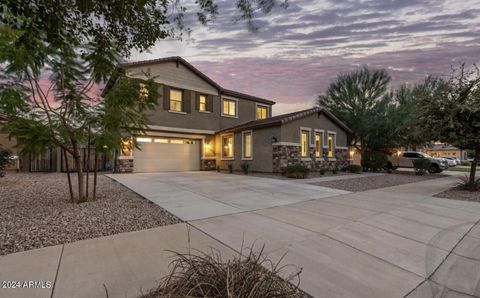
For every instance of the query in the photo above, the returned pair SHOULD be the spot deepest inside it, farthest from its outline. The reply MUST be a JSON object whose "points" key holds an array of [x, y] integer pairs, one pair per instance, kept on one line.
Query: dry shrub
{"points": [[207, 275]]}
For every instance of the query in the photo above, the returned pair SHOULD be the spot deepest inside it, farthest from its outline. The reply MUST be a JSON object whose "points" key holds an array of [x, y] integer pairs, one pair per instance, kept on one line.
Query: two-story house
{"points": [[199, 125]]}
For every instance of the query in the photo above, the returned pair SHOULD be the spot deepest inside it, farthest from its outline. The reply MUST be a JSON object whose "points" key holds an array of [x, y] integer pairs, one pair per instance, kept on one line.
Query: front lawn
{"points": [[36, 212], [387, 180], [461, 169]]}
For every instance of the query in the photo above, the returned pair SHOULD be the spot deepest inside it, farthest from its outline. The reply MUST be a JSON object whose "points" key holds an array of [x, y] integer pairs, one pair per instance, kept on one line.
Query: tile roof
{"points": [[285, 118], [200, 74]]}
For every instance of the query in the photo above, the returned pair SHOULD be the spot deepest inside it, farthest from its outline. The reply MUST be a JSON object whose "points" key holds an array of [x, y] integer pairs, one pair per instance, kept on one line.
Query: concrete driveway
{"points": [[393, 242], [197, 195]]}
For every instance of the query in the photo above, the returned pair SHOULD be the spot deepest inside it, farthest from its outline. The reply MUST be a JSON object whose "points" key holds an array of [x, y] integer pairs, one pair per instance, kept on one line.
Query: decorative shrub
{"points": [[334, 170], [298, 171], [421, 166], [5, 160], [374, 161], [322, 171], [199, 274], [245, 166], [357, 169], [230, 168]]}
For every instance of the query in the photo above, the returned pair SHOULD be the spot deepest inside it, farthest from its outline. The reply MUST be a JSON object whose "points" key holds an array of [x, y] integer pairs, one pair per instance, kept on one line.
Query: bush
{"points": [[421, 166], [245, 166], [374, 161], [207, 275], [322, 171], [357, 169], [230, 168], [5, 160], [334, 170], [297, 171]]}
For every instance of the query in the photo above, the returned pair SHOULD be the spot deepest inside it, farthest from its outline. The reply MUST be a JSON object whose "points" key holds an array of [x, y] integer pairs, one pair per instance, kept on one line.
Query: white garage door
{"points": [[167, 155]]}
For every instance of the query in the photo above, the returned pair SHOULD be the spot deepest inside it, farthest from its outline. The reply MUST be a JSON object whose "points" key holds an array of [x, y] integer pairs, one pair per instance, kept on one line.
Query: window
{"points": [[318, 144], [202, 103], [144, 140], [229, 107], [331, 145], [164, 141], [176, 141], [143, 91], [304, 142], [247, 144], [262, 112], [175, 100], [227, 146], [126, 147]]}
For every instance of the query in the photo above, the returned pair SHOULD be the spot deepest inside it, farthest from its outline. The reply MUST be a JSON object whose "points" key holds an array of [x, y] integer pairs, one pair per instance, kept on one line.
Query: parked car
{"points": [[405, 160], [451, 161]]}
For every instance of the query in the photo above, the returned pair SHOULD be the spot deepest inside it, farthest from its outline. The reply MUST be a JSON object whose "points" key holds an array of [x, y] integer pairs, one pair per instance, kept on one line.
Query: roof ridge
{"points": [[200, 74]]}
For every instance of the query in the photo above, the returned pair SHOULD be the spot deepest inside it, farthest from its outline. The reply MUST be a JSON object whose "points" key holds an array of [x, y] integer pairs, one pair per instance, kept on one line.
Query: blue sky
{"points": [[298, 51]]}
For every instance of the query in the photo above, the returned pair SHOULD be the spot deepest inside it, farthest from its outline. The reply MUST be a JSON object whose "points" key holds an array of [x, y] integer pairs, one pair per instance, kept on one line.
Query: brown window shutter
{"points": [[196, 99], [186, 102], [166, 97], [210, 102]]}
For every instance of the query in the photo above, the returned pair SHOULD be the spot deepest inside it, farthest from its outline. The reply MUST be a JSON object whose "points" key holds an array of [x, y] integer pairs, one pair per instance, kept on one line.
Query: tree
{"points": [[361, 100], [449, 111], [73, 46]]}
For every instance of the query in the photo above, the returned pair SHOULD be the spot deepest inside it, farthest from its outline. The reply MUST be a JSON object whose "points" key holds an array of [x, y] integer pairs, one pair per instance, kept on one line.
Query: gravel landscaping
{"points": [[36, 212], [460, 194], [367, 183]]}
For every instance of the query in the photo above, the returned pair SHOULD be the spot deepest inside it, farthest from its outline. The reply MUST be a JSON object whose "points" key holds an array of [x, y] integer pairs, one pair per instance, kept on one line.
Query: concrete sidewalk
{"points": [[125, 265]]}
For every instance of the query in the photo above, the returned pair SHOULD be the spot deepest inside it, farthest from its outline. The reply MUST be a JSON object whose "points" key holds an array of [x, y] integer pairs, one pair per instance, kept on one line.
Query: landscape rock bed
{"points": [[459, 194], [367, 183], [36, 212]]}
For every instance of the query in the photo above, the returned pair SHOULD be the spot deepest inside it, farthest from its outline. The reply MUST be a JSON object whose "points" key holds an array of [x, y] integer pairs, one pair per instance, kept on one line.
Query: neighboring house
{"points": [[445, 150], [199, 125]]}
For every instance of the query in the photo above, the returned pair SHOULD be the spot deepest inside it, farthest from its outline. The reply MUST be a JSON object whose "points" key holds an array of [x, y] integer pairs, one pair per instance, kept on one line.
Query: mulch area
{"points": [[387, 180], [460, 194], [36, 212]]}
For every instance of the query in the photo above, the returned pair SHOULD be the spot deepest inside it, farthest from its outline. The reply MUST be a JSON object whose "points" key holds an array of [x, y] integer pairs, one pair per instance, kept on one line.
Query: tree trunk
{"points": [[67, 167], [88, 166], [473, 169], [95, 176], [78, 163]]}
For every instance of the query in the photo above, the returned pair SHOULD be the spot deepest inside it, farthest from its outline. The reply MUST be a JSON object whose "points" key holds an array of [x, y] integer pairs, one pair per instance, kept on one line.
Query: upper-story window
{"points": [[143, 91], [229, 107], [262, 112], [202, 103], [175, 100]]}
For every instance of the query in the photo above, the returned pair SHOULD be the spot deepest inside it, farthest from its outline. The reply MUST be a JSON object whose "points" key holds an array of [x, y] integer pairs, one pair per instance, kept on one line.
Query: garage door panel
{"points": [[161, 157]]}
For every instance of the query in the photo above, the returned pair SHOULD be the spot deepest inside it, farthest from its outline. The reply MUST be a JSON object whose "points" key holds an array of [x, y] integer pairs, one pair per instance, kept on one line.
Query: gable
{"points": [[172, 74]]}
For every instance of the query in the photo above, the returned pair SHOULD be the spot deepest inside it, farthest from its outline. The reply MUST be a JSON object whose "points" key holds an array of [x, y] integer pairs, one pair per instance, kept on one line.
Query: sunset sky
{"points": [[298, 51]]}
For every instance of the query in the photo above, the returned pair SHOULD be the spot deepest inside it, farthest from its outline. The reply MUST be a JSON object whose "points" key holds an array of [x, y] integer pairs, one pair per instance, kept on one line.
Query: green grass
{"points": [[461, 169]]}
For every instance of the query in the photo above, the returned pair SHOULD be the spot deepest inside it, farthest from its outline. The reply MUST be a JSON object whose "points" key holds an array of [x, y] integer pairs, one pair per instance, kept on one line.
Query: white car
{"points": [[451, 161]]}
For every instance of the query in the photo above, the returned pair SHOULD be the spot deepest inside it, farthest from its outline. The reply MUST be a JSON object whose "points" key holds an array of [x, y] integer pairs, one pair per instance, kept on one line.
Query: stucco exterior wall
{"points": [[181, 77], [261, 148], [7, 143], [291, 130], [193, 120], [168, 73]]}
